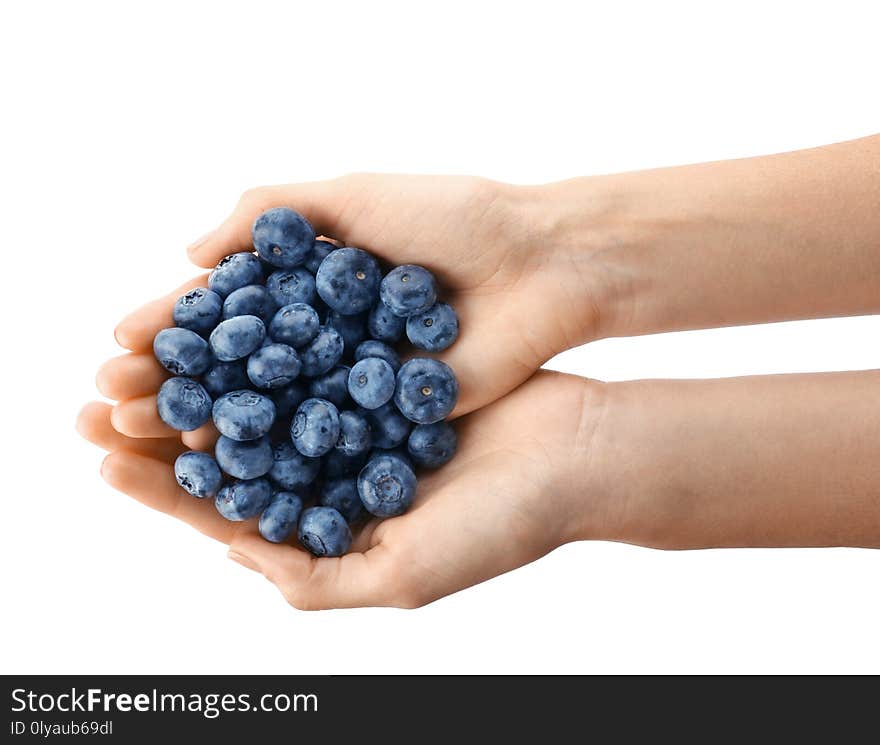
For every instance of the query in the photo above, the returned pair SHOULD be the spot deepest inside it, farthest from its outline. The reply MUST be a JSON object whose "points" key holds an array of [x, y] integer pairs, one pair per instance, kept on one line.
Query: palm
{"points": [[483, 514]]}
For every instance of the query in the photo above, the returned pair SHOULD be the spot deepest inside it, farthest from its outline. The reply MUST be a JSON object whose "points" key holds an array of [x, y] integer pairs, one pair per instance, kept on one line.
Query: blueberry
{"points": [[324, 532], [371, 382], [288, 399], [252, 300], [244, 460], [280, 518], [426, 390], [291, 286], [435, 329], [322, 353], [273, 366], [352, 329], [223, 377], [354, 434], [342, 495], [318, 254], [198, 473], [389, 427], [331, 386], [387, 486], [244, 415], [399, 452], [183, 404], [383, 325], [283, 237], [432, 445], [237, 337], [347, 280], [336, 464], [291, 469], [295, 324], [199, 310], [408, 289], [234, 271], [181, 351], [373, 348], [242, 500], [315, 427]]}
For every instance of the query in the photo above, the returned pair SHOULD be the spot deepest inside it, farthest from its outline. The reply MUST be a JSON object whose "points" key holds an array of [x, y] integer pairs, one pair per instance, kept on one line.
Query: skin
{"points": [[551, 458]]}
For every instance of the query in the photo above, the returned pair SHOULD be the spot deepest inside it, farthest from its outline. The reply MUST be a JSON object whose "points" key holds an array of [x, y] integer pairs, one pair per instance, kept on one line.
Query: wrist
{"points": [[590, 235]]}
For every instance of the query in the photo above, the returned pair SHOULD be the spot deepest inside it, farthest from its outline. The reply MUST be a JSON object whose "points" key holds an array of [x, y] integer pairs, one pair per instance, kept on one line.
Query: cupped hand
{"points": [[517, 489], [520, 299]]}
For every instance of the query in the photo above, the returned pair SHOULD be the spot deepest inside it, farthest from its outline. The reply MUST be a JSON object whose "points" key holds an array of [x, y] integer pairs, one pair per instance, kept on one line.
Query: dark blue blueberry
{"points": [[324, 532], [347, 280], [234, 271], [354, 434], [342, 495], [398, 452], [243, 500], [244, 415], [373, 348], [291, 286], [371, 382], [253, 300], [237, 337], [295, 324], [280, 518], [183, 404], [337, 464], [435, 329], [322, 353], [181, 351], [383, 325], [389, 427], [331, 386], [223, 377], [432, 445], [273, 366], [199, 310], [315, 427], [387, 486], [352, 329], [283, 237], [318, 254], [288, 399], [408, 289], [426, 390], [291, 469], [244, 460], [198, 473]]}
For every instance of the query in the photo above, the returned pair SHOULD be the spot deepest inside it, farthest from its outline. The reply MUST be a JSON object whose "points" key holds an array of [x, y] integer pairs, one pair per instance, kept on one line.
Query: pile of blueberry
{"points": [[291, 350]]}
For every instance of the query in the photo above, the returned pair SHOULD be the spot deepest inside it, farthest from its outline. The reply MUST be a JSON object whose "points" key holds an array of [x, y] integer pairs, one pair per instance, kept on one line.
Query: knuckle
{"points": [[253, 196]]}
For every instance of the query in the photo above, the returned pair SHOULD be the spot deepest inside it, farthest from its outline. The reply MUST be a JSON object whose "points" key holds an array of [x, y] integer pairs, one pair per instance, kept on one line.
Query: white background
{"points": [[127, 133]]}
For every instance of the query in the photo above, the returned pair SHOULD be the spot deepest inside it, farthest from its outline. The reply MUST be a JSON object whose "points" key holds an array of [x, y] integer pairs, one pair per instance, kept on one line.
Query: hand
{"points": [[513, 493], [520, 298]]}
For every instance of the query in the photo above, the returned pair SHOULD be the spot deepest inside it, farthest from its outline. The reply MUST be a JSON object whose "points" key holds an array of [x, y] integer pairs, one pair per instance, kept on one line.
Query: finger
{"points": [[204, 438], [130, 376], [137, 330], [139, 417], [93, 423], [322, 203], [152, 483], [355, 580]]}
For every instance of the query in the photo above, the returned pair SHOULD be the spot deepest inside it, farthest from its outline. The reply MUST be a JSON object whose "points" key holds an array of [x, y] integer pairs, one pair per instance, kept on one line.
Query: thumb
{"points": [[322, 203], [350, 581]]}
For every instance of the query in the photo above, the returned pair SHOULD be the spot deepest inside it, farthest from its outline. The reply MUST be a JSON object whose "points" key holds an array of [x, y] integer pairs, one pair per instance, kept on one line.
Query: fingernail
{"points": [[243, 560], [195, 244]]}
